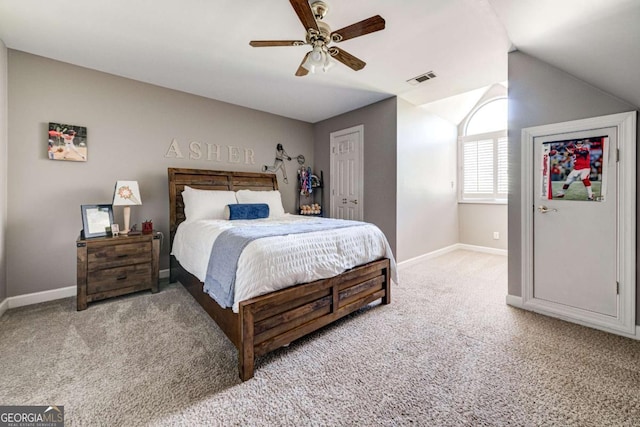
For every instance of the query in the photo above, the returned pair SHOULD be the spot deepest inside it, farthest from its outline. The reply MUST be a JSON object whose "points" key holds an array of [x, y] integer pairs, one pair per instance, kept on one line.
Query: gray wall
{"points": [[427, 203], [380, 124], [130, 127], [540, 94], [478, 221], [4, 137]]}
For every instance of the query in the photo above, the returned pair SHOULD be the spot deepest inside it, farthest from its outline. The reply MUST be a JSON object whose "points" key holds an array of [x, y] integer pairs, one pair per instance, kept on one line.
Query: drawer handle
{"points": [[122, 255], [122, 277]]}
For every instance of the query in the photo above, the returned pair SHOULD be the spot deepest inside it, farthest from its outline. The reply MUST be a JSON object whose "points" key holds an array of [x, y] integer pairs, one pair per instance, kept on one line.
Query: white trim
{"points": [[51, 295], [4, 306], [451, 248], [624, 322], [483, 249], [428, 255], [514, 301], [44, 296], [494, 197], [573, 315], [484, 202]]}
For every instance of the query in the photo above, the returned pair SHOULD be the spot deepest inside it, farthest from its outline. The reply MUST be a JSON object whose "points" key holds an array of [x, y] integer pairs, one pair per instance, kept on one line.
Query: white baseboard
{"points": [[429, 255], [483, 249], [452, 248], [4, 306], [44, 296], [38, 297], [514, 301]]}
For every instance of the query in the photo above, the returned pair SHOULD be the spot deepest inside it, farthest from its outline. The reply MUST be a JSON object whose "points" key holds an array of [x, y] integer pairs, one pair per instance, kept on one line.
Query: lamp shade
{"points": [[126, 194]]}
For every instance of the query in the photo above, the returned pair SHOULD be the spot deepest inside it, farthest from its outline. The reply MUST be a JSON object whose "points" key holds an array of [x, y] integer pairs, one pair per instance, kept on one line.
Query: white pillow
{"points": [[272, 198], [206, 204]]}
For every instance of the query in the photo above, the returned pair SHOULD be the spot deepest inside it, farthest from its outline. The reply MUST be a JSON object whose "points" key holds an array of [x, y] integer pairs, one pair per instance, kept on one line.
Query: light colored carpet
{"points": [[446, 352]]}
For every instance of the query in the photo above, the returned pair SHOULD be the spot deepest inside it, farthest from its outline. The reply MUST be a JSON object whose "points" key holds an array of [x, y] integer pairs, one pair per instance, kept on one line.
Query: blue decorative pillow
{"points": [[247, 211]]}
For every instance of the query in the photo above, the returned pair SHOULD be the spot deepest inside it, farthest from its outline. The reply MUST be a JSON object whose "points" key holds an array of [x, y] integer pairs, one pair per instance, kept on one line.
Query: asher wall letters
{"points": [[212, 152]]}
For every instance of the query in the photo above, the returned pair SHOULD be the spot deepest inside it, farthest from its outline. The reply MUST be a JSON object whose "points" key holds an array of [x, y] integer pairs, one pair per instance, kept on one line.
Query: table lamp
{"points": [[126, 194]]}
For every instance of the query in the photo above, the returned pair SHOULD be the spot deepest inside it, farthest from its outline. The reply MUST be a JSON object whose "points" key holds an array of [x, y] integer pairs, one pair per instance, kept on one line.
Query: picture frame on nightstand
{"points": [[96, 220]]}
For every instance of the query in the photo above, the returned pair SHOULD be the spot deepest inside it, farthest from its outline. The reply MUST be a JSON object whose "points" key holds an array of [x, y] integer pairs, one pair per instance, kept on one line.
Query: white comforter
{"points": [[273, 263]]}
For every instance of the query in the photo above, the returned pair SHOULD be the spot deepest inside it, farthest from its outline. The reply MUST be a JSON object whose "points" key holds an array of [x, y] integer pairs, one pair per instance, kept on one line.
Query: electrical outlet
{"points": [[496, 235]]}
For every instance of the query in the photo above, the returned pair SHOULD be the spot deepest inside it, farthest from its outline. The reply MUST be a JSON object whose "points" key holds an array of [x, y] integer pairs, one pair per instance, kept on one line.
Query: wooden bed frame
{"points": [[270, 321]]}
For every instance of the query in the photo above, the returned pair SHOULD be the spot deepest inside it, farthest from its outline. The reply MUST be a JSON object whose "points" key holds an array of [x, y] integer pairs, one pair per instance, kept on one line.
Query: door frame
{"points": [[624, 322], [360, 177]]}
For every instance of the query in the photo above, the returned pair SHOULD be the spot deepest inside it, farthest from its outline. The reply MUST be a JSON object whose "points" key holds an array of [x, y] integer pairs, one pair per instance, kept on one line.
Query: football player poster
{"points": [[574, 169]]}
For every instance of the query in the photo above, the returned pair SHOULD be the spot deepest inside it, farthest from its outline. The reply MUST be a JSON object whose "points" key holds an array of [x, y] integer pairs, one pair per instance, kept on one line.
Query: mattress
{"points": [[272, 263]]}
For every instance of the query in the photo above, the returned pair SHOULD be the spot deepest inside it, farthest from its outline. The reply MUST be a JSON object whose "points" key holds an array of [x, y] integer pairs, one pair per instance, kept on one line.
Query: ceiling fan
{"points": [[319, 35]]}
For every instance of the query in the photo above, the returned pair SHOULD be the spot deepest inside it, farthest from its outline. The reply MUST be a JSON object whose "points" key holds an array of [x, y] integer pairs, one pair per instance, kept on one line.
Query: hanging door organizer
{"points": [[309, 192]]}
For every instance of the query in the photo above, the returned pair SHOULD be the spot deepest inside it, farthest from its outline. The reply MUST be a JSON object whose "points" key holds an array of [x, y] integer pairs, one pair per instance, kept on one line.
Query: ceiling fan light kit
{"points": [[319, 57], [319, 35]]}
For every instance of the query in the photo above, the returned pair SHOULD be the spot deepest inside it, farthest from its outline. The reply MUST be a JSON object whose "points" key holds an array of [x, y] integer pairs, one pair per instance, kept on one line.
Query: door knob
{"points": [[544, 209], [355, 202]]}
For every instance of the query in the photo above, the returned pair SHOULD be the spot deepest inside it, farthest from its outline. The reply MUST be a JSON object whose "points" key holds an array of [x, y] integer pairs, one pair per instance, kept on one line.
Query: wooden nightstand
{"points": [[112, 266]]}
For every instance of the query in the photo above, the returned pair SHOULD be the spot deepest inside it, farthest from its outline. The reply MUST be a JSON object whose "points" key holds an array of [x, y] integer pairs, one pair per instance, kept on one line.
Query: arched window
{"points": [[489, 117], [483, 154]]}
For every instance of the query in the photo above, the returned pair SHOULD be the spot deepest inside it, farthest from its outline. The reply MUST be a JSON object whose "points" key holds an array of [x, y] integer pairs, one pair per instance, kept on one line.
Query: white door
{"points": [[578, 252], [347, 173], [575, 259]]}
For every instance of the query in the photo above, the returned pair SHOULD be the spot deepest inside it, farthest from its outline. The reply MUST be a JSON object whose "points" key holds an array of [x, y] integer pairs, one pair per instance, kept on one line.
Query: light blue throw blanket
{"points": [[221, 272]]}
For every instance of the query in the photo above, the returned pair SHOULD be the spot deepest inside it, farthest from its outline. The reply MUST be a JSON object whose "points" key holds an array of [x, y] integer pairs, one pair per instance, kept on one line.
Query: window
{"points": [[483, 154]]}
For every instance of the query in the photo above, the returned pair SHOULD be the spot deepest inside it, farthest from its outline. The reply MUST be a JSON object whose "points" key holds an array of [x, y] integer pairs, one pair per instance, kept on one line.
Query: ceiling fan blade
{"points": [[370, 25], [347, 59], [268, 43], [303, 10], [301, 70]]}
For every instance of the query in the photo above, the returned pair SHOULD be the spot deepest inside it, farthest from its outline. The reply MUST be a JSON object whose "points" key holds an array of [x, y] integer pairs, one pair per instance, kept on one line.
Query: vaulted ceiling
{"points": [[202, 47]]}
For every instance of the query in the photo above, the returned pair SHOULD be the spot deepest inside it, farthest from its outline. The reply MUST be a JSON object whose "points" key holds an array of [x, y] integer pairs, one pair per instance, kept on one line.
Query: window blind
{"points": [[484, 167]]}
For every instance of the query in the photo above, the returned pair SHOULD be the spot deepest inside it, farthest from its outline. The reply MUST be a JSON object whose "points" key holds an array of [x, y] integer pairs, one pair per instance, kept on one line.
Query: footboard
{"points": [[276, 319]]}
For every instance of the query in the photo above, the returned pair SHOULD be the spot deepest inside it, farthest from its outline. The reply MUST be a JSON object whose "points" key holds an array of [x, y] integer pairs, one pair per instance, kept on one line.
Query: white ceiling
{"points": [[202, 47]]}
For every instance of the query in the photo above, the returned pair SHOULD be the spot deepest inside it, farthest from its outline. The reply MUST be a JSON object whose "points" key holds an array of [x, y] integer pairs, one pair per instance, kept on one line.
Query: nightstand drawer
{"points": [[113, 266], [102, 257], [119, 277]]}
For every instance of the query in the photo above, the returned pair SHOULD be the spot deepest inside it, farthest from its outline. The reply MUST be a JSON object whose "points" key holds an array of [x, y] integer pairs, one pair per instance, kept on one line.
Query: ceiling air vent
{"points": [[422, 78]]}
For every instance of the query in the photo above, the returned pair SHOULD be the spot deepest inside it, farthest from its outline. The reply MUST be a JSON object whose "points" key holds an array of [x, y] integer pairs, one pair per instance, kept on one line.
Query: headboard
{"points": [[210, 180]]}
